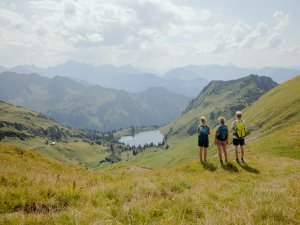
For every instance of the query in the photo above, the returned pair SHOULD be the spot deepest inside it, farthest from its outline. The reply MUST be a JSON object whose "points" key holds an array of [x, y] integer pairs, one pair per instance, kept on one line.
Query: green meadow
{"points": [[78, 153], [40, 190]]}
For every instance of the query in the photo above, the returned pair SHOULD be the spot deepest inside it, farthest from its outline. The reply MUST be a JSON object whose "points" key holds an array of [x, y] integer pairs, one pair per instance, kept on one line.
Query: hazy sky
{"points": [[156, 34]]}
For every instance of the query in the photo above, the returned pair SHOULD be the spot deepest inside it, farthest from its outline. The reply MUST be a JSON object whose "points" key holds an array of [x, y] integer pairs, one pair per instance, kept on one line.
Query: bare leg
{"points": [[236, 151], [200, 153], [205, 154], [220, 151], [242, 151]]}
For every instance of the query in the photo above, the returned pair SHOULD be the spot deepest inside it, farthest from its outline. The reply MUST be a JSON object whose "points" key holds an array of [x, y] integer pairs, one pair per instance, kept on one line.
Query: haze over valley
{"points": [[187, 80]]}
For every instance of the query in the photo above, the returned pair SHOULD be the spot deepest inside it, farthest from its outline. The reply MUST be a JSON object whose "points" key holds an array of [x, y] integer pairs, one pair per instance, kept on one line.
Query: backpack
{"points": [[222, 132], [203, 130], [240, 129]]}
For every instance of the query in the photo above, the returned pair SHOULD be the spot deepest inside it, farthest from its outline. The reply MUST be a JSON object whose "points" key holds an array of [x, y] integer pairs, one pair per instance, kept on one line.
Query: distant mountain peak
{"points": [[262, 83], [221, 98]]}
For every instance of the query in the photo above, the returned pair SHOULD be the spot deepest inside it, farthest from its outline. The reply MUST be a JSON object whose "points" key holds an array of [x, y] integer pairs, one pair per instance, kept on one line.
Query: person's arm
{"points": [[245, 125], [227, 134], [208, 131], [216, 134], [232, 127]]}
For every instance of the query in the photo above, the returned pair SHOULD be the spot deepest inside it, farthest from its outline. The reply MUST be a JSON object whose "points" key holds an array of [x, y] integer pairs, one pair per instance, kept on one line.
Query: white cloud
{"points": [[273, 41], [240, 31], [295, 50], [282, 21], [11, 19], [95, 37], [142, 32], [242, 36], [70, 9]]}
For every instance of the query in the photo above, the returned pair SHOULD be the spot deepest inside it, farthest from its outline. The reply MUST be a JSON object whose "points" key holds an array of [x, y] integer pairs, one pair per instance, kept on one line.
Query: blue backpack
{"points": [[222, 132], [203, 130]]}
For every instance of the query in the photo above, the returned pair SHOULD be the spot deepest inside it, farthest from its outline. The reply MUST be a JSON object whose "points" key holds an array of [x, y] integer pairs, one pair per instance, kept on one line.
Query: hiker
{"points": [[221, 138], [239, 133], [203, 143]]}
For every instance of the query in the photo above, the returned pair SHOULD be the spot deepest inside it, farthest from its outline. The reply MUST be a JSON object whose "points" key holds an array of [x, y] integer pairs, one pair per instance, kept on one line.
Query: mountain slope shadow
{"points": [[248, 168], [209, 166]]}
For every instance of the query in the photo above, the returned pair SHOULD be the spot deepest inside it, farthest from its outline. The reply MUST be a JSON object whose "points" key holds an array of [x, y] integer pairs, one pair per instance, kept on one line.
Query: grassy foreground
{"points": [[39, 190]]}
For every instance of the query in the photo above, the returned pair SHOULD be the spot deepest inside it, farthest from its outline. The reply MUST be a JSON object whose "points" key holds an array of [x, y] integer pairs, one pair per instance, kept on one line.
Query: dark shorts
{"points": [[238, 141], [203, 141]]}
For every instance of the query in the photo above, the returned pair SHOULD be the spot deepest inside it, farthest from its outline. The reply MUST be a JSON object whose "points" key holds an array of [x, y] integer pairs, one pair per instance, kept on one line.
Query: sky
{"points": [[154, 34]]}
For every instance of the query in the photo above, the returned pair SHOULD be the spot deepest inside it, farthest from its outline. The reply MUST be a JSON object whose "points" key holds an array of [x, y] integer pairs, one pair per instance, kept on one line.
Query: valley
{"points": [[91, 106]]}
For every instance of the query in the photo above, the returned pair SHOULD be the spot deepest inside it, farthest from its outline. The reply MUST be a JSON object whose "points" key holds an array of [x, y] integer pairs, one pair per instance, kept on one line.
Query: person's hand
{"points": [[226, 141], [215, 142]]}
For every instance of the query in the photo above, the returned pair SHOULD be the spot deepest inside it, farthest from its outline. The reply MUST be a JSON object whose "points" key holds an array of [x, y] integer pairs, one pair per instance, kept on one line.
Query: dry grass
{"points": [[38, 190]]}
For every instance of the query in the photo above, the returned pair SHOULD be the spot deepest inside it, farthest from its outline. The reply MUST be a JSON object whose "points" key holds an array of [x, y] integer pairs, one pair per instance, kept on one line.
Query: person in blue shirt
{"points": [[221, 139], [203, 142]]}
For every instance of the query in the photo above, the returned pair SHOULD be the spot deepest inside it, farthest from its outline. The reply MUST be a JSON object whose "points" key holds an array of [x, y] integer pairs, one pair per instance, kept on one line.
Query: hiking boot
{"points": [[242, 160], [237, 160], [221, 161]]}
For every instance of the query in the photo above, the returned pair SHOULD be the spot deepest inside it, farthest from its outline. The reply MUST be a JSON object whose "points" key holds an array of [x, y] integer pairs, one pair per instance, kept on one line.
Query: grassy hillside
{"points": [[219, 98], [277, 109], [23, 123], [29, 129], [76, 153], [39, 190]]}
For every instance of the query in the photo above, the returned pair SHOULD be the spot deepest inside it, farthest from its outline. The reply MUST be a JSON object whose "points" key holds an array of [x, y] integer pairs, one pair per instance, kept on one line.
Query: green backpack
{"points": [[240, 129]]}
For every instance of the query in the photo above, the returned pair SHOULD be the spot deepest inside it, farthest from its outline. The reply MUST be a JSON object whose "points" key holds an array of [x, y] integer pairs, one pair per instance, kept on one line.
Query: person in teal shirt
{"points": [[203, 142]]}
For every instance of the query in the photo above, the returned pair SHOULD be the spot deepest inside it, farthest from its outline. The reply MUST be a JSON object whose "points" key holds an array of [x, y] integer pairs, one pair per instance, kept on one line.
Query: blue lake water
{"points": [[142, 138]]}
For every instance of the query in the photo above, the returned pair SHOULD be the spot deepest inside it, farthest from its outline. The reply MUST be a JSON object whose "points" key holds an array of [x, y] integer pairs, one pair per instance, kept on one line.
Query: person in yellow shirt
{"points": [[239, 133]]}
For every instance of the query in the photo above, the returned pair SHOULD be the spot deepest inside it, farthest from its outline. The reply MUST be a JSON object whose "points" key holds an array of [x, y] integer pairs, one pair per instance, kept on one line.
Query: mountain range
{"points": [[187, 80], [126, 77], [90, 106], [229, 72]]}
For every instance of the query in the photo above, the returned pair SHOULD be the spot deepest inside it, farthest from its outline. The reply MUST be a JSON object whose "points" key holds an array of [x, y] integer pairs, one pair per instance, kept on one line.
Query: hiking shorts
{"points": [[203, 141], [221, 143], [238, 141]]}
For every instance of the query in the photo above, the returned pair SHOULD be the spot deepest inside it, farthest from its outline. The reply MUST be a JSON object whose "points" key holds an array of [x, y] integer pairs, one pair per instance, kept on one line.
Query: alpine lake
{"points": [[143, 138]]}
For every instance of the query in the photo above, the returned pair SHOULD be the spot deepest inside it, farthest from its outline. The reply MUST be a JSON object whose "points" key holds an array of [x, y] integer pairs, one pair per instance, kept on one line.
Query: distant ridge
{"points": [[124, 77], [90, 106], [229, 72], [220, 98]]}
